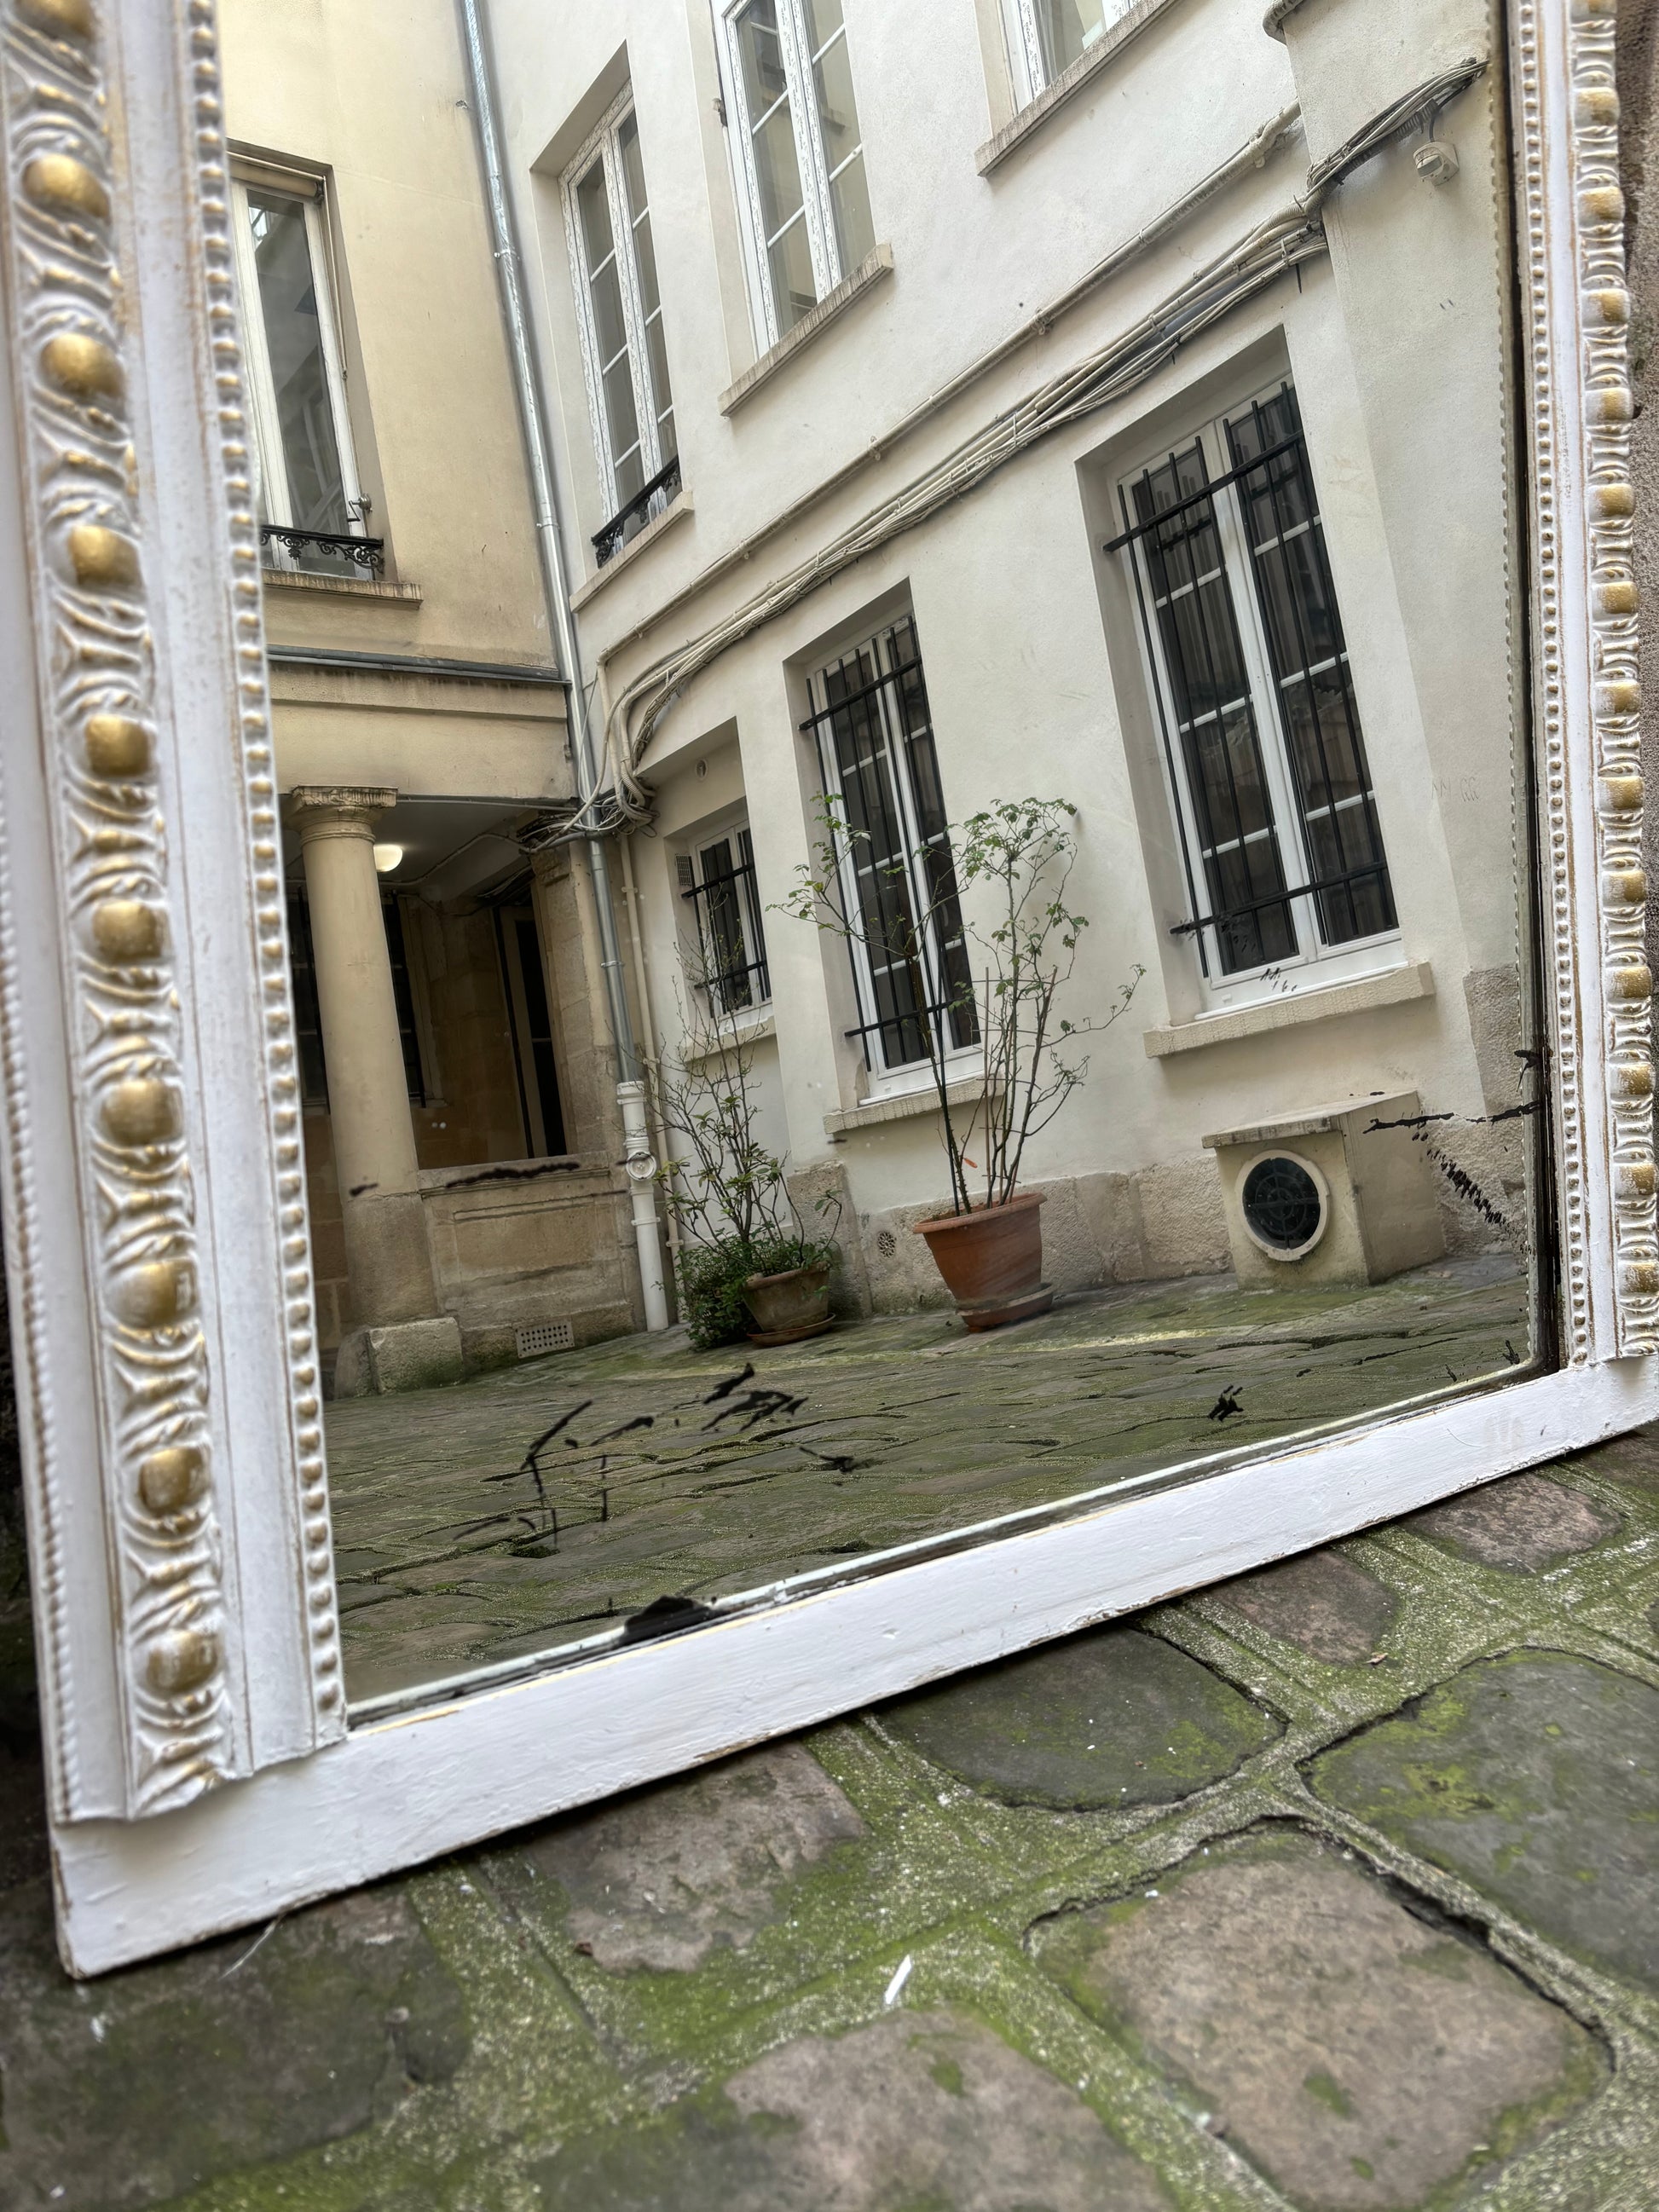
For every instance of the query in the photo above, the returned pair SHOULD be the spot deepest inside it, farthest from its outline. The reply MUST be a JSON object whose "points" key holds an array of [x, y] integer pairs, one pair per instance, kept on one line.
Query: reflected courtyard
{"points": [[542, 1506]]}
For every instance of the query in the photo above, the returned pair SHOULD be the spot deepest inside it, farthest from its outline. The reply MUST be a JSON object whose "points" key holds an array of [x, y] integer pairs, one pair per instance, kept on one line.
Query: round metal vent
{"points": [[1286, 1205], [886, 1243]]}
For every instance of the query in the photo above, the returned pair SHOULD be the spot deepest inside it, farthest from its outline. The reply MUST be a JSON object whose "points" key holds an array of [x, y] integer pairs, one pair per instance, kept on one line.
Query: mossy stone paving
{"points": [[1113, 1718], [910, 1963], [666, 1876], [672, 1473], [919, 2112], [1321, 1602], [1358, 2054], [135, 2089], [1535, 1777]]}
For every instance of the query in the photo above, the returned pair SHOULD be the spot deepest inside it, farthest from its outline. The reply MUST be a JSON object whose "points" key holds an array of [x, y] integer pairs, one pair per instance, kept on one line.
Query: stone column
{"points": [[402, 1340]]}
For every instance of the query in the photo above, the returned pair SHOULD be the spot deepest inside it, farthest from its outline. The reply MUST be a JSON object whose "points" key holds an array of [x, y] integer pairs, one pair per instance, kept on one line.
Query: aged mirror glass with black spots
{"points": [[989, 959]]}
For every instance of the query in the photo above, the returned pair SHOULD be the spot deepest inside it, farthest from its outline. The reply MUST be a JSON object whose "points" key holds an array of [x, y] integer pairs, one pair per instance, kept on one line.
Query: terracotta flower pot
{"points": [[992, 1260], [789, 1306]]}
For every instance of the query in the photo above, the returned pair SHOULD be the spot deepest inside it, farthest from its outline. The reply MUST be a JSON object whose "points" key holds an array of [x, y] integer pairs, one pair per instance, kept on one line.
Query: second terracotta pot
{"points": [[789, 1306], [992, 1260]]}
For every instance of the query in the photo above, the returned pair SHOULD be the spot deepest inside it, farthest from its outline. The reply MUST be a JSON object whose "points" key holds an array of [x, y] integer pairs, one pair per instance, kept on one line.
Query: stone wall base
{"points": [[406, 1355]]}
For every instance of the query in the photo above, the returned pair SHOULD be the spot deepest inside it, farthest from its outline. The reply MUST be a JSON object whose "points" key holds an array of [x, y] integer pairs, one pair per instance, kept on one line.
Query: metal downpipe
{"points": [[630, 1087]]}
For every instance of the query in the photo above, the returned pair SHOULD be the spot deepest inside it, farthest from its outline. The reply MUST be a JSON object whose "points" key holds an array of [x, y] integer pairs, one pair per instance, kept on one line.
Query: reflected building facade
{"points": [[461, 1121], [1230, 569], [1096, 427]]}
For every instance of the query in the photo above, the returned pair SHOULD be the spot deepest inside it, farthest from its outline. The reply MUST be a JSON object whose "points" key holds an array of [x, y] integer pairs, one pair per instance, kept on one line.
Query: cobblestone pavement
{"points": [[1335, 1886], [668, 1472]]}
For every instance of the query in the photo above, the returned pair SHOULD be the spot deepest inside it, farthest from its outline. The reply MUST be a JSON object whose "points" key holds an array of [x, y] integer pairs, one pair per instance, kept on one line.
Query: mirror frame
{"points": [[201, 1772]]}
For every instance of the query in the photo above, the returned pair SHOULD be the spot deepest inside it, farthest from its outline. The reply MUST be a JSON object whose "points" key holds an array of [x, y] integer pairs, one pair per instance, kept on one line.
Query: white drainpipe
{"points": [[630, 1087]]}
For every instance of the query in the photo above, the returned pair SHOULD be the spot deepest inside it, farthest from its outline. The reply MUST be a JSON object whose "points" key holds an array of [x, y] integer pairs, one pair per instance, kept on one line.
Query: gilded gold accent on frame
{"points": [[1600, 368], [171, 1480], [117, 745], [60, 19], [83, 366]]}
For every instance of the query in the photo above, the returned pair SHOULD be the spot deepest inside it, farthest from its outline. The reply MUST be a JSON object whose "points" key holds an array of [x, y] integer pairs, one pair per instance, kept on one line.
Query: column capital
{"points": [[337, 810]]}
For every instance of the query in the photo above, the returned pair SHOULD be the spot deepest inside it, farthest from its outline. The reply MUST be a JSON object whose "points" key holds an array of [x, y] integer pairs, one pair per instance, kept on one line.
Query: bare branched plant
{"points": [[728, 1193], [995, 981]]}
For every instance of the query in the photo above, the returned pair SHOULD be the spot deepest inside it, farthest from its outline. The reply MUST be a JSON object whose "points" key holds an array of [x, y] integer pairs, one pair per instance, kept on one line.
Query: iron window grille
{"points": [[731, 939], [877, 757], [619, 311], [313, 513], [1262, 742], [798, 150]]}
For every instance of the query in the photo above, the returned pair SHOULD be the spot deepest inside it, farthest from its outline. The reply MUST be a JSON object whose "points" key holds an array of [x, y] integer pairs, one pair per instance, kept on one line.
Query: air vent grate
{"points": [[546, 1336]]}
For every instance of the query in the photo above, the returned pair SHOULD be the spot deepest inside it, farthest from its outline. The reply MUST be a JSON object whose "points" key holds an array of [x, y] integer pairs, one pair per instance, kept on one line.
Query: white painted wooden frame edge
{"points": [[153, 1199], [306, 1807]]}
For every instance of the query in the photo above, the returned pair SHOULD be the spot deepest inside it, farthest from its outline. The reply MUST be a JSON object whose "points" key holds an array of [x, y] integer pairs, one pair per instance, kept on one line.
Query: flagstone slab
{"points": [[130, 2091], [1536, 1777], [1321, 1602], [1359, 2055], [661, 1878], [919, 2112], [1110, 1719], [1519, 1524]]}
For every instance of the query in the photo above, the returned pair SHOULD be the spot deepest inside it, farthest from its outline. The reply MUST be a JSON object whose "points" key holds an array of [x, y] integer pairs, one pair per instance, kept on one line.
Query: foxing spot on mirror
{"points": [[1019, 986]]}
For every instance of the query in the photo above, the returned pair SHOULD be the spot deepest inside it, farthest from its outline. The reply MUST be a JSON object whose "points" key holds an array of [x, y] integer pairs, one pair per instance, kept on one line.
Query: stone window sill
{"points": [[1035, 112], [875, 265], [1395, 987], [764, 1025], [907, 1106], [659, 526], [342, 587]]}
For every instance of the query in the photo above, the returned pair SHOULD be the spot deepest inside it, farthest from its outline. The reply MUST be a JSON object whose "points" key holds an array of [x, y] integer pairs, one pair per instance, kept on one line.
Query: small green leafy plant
{"points": [[727, 1194]]}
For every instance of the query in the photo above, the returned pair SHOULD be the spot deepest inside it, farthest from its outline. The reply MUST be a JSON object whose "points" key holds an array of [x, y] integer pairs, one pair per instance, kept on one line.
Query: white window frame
{"points": [[817, 210], [603, 142], [262, 391], [1315, 964], [885, 1078], [1026, 38], [691, 851]]}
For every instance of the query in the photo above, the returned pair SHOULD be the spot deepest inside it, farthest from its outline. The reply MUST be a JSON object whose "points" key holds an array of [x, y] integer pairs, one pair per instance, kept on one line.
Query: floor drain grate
{"points": [[546, 1336]]}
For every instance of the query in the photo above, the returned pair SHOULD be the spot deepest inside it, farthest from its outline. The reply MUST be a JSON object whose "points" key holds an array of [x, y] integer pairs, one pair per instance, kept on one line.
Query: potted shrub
{"points": [[1009, 866], [745, 1264]]}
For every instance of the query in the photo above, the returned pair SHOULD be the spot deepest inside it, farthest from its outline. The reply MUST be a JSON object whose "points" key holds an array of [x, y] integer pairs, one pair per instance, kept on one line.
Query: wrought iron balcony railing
{"points": [[651, 500], [365, 553]]}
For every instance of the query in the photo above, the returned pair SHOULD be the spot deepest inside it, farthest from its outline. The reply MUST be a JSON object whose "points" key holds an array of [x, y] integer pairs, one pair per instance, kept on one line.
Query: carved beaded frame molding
{"points": [[201, 1775]]}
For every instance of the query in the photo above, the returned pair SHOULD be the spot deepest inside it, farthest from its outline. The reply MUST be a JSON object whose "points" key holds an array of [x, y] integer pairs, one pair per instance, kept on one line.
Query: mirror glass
{"points": [[1042, 1000]]}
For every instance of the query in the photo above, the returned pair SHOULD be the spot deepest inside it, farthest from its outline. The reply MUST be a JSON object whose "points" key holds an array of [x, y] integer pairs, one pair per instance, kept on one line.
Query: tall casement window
{"points": [[726, 944], [876, 752], [1261, 734], [608, 221], [1052, 34], [800, 152], [311, 512]]}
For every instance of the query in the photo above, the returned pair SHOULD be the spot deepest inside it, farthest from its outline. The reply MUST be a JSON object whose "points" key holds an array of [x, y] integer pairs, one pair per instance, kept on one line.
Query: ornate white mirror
{"points": [[794, 884]]}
